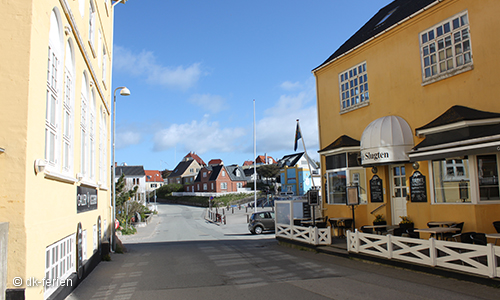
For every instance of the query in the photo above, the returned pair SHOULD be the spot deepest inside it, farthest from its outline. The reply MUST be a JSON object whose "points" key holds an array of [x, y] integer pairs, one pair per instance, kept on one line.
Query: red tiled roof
{"points": [[215, 162], [248, 163], [153, 176], [196, 157]]}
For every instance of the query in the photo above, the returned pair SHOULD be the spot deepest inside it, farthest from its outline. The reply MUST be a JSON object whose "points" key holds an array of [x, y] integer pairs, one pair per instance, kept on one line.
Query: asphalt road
{"points": [[179, 255]]}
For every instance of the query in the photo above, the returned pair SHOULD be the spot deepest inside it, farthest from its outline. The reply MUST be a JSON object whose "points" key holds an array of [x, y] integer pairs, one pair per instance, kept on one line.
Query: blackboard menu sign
{"points": [[418, 187], [376, 190]]}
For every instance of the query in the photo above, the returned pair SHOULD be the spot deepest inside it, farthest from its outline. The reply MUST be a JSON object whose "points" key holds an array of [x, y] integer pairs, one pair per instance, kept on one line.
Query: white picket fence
{"points": [[309, 235], [476, 259]]}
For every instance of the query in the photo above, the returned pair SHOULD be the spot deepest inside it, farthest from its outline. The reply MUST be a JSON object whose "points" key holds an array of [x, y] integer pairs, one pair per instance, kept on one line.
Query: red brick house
{"points": [[219, 179]]}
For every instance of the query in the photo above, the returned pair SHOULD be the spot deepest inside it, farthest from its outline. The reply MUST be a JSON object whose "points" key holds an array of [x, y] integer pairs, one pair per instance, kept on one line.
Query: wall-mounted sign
{"points": [[418, 187], [376, 189], [86, 199]]}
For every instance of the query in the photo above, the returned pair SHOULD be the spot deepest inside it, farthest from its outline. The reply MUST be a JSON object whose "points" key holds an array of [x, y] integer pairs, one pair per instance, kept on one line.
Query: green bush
{"points": [[168, 189]]}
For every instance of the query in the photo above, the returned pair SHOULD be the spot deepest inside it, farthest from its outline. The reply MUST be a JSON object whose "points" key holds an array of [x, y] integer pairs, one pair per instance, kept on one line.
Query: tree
{"points": [[268, 171]]}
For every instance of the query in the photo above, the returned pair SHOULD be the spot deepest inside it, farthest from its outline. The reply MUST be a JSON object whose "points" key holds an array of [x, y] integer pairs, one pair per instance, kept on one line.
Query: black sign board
{"points": [[86, 199], [376, 189], [418, 187], [313, 197]]}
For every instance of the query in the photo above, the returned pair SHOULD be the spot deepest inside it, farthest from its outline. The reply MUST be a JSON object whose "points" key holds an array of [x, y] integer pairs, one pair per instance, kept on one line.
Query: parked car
{"points": [[261, 221]]}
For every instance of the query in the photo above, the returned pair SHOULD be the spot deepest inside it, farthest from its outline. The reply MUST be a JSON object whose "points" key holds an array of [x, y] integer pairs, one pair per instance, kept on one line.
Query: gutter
{"points": [[378, 35]]}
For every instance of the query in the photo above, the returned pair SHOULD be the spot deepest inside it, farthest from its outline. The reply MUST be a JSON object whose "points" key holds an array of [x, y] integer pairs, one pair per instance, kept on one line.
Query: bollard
{"points": [[232, 210], [224, 220], [223, 211]]}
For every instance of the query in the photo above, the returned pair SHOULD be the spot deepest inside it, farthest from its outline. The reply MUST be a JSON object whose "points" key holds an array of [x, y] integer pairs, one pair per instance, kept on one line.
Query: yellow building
{"points": [[408, 112], [55, 204]]}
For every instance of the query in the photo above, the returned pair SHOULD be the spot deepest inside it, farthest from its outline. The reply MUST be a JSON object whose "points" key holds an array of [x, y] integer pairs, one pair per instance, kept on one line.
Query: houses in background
{"points": [[298, 174], [134, 176], [187, 170]]}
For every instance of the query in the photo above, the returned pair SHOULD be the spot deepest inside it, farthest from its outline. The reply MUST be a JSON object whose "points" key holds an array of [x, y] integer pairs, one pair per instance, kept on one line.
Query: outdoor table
{"points": [[436, 230], [495, 236], [310, 222], [442, 223], [336, 221], [377, 228]]}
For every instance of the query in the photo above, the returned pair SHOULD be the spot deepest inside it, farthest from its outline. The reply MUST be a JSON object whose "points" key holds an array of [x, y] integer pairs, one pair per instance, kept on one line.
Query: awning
{"points": [[386, 140], [458, 132]]}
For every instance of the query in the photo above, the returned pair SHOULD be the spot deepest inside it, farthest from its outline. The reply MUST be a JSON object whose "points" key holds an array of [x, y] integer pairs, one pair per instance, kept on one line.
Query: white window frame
{"points": [[204, 186], [68, 111], [84, 108], [91, 135], [92, 25], [442, 49], [103, 150], [59, 262], [223, 185], [353, 87], [53, 93]]}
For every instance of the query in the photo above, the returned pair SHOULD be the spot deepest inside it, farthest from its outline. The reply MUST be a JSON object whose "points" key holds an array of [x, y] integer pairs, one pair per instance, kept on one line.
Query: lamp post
{"points": [[124, 92]]}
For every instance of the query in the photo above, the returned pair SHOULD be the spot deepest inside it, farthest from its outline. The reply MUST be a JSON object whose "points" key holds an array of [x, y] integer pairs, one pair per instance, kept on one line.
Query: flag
{"points": [[298, 136]]}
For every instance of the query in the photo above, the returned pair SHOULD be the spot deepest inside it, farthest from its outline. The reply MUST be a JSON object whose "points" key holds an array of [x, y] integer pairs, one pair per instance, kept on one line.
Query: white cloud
{"points": [[290, 86], [128, 137], [202, 136], [276, 131], [212, 103], [145, 65]]}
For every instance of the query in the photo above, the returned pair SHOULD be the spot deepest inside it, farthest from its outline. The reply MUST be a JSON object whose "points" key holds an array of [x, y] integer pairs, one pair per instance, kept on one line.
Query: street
{"points": [[179, 255]]}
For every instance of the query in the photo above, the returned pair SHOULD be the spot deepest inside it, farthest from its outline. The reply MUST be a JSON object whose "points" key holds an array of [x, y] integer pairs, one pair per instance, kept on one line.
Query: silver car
{"points": [[261, 221]]}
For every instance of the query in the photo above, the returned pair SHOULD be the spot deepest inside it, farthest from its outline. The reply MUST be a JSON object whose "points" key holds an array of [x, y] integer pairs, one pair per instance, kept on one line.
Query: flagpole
{"points": [[305, 152], [313, 209], [255, 160]]}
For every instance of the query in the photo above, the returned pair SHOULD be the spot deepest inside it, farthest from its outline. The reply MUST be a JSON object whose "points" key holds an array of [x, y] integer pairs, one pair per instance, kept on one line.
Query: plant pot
{"points": [[380, 223], [406, 225]]}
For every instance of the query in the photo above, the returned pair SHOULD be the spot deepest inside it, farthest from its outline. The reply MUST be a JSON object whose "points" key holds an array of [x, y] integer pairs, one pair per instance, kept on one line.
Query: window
{"points": [[239, 185], [91, 135], [204, 186], [353, 87], [487, 169], [344, 170], [204, 174], [91, 23], [212, 185], [68, 110], [223, 173], [59, 261], [53, 101], [451, 180], [223, 185], [446, 48], [84, 128], [104, 64], [103, 138]]}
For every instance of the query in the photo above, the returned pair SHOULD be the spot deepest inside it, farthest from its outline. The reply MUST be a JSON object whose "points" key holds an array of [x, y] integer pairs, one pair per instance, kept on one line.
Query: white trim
{"points": [[447, 150], [457, 125], [54, 175]]}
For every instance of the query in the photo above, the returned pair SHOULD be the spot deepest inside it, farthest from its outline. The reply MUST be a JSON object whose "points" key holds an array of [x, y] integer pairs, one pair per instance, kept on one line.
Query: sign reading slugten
{"points": [[86, 199]]}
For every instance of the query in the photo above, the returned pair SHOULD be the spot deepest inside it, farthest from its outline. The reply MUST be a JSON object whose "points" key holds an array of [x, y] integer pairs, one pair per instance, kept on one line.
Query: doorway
{"points": [[398, 193]]}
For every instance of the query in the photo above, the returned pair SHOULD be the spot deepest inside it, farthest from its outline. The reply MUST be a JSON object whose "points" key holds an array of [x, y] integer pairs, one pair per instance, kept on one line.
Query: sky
{"points": [[195, 68]]}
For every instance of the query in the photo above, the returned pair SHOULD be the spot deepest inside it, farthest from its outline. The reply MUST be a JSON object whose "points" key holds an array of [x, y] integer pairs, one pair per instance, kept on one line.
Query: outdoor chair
{"points": [[346, 226], [464, 237], [496, 224], [449, 236], [323, 223], [411, 233], [479, 238], [366, 230], [398, 231]]}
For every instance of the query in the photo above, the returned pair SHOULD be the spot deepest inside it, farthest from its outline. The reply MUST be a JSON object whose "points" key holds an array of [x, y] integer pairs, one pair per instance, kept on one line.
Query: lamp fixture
{"points": [[79, 176], [2, 150], [40, 165]]}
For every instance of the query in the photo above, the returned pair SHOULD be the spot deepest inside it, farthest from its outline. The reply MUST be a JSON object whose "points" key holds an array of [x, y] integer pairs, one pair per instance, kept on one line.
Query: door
{"points": [[398, 193]]}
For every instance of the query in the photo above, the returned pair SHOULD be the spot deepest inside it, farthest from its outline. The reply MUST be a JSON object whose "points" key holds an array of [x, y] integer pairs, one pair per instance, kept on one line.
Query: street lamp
{"points": [[124, 92]]}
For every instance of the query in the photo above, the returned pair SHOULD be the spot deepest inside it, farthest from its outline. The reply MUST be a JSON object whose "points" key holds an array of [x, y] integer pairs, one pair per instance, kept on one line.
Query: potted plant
{"points": [[379, 220], [405, 222]]}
